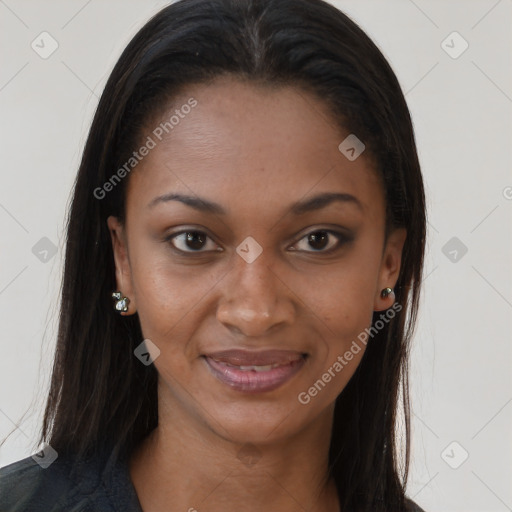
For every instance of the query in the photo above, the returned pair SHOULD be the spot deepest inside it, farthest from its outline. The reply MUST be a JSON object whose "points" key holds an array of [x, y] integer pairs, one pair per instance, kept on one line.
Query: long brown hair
{"points": [[101, 397]]}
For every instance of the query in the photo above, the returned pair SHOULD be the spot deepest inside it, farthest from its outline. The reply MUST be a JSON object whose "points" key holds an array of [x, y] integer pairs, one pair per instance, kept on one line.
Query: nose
{"points": [[256, 300]]}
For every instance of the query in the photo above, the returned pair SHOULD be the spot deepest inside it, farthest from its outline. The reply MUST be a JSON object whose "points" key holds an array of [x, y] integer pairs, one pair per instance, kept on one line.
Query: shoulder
{"points": [[412, 507], [25, 485], [65, 485]]}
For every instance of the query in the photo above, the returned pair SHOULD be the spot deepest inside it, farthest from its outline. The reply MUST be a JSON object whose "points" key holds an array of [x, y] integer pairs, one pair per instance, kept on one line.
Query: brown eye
{"points": [[318, 240], [322, 241], [191, 241]]}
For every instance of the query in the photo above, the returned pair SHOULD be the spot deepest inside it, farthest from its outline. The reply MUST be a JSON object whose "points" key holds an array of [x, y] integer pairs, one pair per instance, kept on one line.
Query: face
{"points": [[251, 289]]}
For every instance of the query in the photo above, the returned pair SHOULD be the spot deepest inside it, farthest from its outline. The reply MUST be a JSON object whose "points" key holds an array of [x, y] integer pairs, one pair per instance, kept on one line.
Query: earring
{"points": [[386, 292], [121, 304]]}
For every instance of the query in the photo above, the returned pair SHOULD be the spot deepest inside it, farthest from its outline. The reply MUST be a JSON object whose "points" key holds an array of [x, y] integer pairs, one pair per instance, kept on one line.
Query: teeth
{"points": [[259, 368], [265, 368]]}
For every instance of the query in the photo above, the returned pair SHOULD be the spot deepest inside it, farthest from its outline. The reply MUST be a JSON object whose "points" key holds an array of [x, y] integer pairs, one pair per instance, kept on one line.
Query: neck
{"points": [[187, 464]]}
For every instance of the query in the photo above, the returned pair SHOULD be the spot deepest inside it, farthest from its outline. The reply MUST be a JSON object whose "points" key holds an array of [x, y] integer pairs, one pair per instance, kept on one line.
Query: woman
{"points": [[243, 264]]}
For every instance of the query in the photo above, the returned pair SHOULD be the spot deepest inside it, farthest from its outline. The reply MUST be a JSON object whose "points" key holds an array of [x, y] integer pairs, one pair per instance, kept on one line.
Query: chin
{"points": [[255, 425]]}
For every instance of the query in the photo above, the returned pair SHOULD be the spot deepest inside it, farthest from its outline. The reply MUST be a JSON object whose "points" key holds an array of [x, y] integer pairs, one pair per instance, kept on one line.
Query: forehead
{"points": [[249, 145]]}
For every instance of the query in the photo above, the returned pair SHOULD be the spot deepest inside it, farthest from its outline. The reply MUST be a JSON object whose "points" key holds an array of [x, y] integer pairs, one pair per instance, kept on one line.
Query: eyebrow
{"points": [[299, 208]]}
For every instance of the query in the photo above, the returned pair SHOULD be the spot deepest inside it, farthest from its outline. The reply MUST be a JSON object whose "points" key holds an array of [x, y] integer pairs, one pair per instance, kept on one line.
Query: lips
{"points": [[254, 372], [263, 358]]}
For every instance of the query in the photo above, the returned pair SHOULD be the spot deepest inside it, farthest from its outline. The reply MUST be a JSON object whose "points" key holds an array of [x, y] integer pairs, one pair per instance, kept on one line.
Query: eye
{"points": [[191, 241], [321, 239]]}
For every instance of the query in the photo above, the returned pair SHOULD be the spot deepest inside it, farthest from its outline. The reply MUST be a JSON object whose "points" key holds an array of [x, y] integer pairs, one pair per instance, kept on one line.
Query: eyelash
{"points": [[341, 237]]}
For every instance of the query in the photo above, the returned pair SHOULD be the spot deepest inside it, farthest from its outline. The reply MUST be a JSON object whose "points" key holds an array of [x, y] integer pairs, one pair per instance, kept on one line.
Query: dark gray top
{"points": [[102, 484], [25, 486]]}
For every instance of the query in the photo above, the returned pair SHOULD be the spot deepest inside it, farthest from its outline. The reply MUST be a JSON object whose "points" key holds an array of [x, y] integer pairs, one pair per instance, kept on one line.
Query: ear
{"points": [[390, 268], [122, 262]]}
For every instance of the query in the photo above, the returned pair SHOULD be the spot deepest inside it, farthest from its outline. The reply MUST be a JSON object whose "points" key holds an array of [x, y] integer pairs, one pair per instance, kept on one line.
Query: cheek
{"points": [[170, 297], [342, 295], [163, 294], [344, 316]]}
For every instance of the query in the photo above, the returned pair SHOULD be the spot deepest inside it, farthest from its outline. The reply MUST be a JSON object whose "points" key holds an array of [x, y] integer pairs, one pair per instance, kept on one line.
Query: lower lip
{"points": [[251, 381]]}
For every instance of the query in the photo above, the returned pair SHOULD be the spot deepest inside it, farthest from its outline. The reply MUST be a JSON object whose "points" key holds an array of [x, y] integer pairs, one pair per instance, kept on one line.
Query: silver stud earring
{"points": [[386, 292], [121, 304]]}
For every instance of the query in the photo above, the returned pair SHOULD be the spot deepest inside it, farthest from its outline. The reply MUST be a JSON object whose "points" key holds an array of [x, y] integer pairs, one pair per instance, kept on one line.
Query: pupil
{"points": [[194, 240], [319, 236]]}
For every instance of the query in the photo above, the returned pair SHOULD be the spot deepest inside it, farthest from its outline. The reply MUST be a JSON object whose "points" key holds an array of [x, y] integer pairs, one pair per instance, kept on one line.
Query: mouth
{"points": [[255, 372]]}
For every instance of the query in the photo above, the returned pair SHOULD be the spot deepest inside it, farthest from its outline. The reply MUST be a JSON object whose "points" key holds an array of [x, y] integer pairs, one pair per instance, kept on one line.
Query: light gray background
{"points": [[461, 107]]}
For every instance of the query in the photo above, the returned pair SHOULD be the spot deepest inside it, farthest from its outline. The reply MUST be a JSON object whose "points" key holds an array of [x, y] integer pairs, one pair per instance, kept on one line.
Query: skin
{"points": [[254, 150]]}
